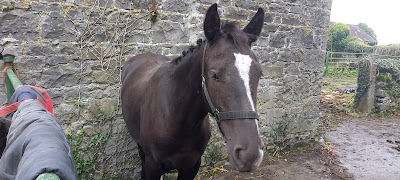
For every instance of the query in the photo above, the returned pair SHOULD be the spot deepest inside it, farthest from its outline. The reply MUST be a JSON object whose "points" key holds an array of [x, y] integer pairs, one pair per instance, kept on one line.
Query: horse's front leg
{"points": [[143, 159], [187, 174], [152, 169]]}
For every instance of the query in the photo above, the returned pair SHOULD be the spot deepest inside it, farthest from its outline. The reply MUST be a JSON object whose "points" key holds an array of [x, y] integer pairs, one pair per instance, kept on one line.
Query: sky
{"points": [[380, 15]]}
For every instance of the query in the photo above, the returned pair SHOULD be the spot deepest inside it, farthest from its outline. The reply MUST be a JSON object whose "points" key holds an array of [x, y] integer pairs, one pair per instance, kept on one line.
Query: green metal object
{"points": [[47, 176], [11, 80], [12, 83], [326, 69], [8, 58]]}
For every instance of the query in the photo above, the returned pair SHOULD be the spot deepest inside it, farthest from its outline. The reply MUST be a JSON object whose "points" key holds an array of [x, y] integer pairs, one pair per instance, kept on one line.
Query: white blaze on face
{"points": [[243, 63]]}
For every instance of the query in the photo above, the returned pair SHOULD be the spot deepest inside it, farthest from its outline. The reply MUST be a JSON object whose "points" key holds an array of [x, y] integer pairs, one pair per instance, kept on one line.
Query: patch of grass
{"points": [[354, 114], [318, 138], [6, 7], [340, 72], [213, 155], [382, 114], [385, 114], [208, 174], [304, 149], [332, 84], [326, 139], [373, 109], [346, 104], [327, 121], [329, 89]]}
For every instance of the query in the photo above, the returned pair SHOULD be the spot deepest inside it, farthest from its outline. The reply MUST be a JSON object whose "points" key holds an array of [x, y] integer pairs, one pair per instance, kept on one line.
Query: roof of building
{"points": [[356, 31]]}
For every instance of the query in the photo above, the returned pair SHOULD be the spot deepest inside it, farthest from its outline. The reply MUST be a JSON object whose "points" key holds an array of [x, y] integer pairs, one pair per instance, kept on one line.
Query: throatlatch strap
{"points": [[229, 115], [214, 110]]}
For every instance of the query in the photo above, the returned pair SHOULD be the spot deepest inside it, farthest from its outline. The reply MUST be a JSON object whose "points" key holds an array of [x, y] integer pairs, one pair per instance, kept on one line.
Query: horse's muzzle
{"points": [[246, 159]]}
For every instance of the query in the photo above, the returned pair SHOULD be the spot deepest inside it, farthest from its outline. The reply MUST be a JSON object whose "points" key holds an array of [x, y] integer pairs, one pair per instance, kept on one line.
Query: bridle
{"points": [[227, 115]]}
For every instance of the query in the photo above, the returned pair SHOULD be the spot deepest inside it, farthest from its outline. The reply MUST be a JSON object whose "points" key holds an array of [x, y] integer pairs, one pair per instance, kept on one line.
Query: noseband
{"points": [[227, 115]]}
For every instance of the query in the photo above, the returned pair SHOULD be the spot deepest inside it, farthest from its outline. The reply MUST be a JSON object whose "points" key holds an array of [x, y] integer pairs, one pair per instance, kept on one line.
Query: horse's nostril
{"points": [[247, 159], [238, 156]]}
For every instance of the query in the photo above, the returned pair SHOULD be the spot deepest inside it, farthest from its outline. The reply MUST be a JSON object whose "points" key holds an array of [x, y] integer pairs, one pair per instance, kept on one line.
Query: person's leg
{"points": [[36, 144]]}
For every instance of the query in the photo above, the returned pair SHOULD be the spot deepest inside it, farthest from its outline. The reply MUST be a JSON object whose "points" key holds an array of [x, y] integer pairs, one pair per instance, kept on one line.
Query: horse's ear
{"points": [[212, 24], [253, 29]]}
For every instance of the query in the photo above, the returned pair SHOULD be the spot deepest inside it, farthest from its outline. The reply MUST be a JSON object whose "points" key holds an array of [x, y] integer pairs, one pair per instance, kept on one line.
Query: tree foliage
{"points": [[390, 50], [340, 40], [338, 33], [367, 29], [355, 45]]}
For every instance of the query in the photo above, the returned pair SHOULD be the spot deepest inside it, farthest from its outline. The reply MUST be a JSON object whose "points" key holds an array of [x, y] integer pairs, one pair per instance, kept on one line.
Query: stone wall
{"points": [[381, 92], [75, 49]]}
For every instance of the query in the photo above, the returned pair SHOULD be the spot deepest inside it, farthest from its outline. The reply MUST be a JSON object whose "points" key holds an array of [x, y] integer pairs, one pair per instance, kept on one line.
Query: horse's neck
{"points": [[188, 71], [188, 100]]}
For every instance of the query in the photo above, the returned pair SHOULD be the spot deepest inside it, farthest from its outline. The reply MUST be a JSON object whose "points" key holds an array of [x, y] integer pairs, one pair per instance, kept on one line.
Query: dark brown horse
{"points": [[165, 103]]}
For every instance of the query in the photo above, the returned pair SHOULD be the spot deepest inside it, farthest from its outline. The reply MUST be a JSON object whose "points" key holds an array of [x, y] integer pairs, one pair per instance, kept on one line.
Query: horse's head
{"points": [[231, 73]]}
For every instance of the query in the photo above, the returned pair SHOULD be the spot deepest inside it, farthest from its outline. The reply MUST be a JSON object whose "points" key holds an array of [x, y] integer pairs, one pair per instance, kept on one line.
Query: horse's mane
{"points": [[236, 36], [185, 54]]}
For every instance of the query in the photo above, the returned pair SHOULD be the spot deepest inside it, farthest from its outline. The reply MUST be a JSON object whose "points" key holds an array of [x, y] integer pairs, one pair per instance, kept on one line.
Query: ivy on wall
{"points": [[363, 82]]}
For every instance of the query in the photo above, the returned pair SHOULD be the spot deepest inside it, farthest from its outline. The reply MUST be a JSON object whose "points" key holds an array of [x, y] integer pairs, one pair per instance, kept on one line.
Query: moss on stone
{"points": [[389, 72], [389, 63], [387, 77], [386, 66], [395, 89], [362, 80], [389, 92]]}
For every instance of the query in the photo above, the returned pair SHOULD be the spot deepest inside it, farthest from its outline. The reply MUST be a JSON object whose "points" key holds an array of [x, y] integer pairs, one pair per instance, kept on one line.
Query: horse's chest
{"points": [[180, 155], [181, 160]]}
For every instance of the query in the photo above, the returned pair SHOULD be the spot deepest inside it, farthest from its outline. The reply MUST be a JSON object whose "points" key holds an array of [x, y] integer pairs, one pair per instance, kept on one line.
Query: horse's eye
{"points": [[214, 76]]}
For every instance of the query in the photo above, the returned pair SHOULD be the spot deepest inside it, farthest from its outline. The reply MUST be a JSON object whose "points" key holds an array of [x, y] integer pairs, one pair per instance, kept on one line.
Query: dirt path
{"points": [[312, 164], [359, 148], [369, 148], [364, 148]]}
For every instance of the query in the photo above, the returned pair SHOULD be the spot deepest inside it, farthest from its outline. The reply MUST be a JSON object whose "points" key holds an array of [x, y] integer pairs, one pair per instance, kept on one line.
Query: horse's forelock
{"points": [[232, 32]]}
